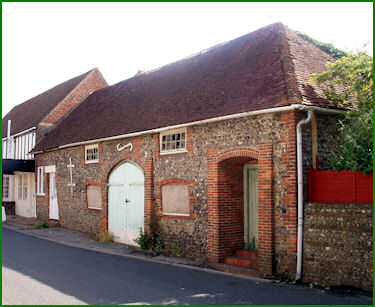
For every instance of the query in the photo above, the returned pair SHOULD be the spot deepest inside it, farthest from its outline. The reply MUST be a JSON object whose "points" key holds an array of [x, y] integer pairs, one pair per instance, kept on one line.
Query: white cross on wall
{"points": [[71, 184]]}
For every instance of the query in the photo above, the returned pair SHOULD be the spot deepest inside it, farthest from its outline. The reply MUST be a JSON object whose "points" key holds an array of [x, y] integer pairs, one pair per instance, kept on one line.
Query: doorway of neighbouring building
{"points": [[126, 203], [24, 194], [251, 206], [53, 203]]}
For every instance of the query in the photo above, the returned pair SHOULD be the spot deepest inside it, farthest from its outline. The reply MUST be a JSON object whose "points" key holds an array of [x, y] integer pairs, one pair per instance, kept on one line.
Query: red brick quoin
{"points": [[225, 210]]}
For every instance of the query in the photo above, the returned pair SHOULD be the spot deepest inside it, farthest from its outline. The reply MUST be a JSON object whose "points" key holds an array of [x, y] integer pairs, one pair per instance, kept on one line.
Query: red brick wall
{"points": [[266, 221], [225, 200], [231, 203], [93, 82]]}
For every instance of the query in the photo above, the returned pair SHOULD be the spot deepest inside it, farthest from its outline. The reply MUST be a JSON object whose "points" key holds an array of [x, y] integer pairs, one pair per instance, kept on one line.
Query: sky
{"points": [[44, 44]]}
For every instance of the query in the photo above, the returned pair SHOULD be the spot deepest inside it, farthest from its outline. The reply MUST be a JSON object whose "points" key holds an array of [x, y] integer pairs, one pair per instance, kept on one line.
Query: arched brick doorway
{"points": [[231, 203], [225, 190]]}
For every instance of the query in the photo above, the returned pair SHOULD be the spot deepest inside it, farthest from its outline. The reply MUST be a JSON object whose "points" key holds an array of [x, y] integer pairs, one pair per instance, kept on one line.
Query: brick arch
{"points": [[238, 152], [215, 238], [113, 164], [176, 181]]}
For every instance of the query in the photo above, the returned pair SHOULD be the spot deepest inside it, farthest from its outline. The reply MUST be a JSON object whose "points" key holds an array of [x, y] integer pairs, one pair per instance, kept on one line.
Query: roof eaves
{"points": [[301, 107]]}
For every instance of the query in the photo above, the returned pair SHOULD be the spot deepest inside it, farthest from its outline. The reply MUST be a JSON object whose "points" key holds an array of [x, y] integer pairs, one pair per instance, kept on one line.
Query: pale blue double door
{"points": [[126, 203]]}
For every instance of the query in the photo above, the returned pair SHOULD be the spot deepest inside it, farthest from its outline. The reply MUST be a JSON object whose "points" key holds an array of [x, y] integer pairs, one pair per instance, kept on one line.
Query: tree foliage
{"points": [[354, 75], [326, 47]]}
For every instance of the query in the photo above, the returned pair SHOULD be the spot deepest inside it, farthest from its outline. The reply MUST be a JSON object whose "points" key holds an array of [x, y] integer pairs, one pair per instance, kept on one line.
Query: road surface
{"points": [[36, 271]]}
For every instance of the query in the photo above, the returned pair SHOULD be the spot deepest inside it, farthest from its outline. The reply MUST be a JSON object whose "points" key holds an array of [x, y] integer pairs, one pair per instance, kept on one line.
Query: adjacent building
{"points": [[28, 123]]}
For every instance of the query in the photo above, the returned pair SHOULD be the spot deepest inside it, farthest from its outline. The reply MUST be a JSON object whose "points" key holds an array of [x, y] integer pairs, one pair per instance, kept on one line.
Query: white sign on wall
{"points": [[50, 169]]}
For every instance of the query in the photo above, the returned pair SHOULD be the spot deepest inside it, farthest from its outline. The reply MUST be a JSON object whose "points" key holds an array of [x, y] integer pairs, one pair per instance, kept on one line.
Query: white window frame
{"points": [[88, 147], [22, 187], [40, 181], [7, 178], [170, 133]]}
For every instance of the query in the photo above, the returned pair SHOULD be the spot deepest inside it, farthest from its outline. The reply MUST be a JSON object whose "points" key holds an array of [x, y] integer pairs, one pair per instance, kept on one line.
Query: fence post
{"points": [[310, 183], [354, 187]]}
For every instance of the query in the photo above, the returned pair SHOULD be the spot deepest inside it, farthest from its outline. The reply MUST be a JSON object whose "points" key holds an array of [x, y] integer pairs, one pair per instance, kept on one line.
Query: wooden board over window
{"points": [[175, 199], [94, 197]]}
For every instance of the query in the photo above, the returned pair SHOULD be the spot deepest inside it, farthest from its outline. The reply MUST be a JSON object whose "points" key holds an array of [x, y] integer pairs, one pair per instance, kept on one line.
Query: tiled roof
{"points": [[30, 113], [264, 69]]}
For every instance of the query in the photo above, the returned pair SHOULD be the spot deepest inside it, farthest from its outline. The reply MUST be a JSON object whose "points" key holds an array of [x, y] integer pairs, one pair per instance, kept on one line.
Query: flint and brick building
{"points": [[205, 145]]}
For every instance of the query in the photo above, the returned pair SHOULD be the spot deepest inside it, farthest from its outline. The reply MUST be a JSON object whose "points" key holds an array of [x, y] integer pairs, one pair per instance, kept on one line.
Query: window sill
{"points": [[92, 162], [171, 152], [40, 194], [177, 216], [94, 209]]}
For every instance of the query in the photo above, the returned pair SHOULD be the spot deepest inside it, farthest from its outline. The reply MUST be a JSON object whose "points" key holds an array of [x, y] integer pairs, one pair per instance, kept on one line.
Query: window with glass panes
{"points": [[39, 181], [6, 184], [22, 187], [173, 141], [92, 153]]}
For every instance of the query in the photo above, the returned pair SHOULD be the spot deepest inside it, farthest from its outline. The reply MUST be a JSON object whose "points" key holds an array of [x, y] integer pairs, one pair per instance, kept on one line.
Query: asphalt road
{"points": [[36, 271]]}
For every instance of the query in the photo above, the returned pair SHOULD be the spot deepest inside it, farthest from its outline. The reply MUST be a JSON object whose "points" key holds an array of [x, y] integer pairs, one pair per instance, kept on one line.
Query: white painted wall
{"points": [[19, 146], [25, 207]]}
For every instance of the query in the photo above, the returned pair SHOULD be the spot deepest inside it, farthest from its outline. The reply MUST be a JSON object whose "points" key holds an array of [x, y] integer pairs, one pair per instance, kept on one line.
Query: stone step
{"points": [[248, 254], [242, 262], [236, 270], [53, 223]]}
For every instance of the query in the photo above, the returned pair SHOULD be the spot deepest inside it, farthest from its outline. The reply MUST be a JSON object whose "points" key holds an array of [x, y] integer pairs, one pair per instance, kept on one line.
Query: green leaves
{"points": [[355, 151], [326, 47], [353, 75]]}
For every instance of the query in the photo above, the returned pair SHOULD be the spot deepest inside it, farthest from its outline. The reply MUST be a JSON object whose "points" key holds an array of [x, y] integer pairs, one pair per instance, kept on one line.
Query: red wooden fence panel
{"points": [[339, 187]]}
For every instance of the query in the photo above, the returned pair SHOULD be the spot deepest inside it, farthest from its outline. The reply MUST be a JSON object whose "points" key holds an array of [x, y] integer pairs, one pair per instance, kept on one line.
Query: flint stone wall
{"points": [[338, 244], [73, 212]]}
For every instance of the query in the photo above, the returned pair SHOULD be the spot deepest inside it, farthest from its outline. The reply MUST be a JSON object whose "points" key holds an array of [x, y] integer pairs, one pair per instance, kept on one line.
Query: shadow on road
{"points": [[97, 278]]}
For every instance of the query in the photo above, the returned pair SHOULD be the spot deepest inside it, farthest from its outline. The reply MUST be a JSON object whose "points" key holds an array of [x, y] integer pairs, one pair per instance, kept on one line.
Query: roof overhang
{"points": [[9, 166], [300, 107]]}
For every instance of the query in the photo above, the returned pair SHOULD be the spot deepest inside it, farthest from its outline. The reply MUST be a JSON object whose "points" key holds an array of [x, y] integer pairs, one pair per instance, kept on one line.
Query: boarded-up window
{"points": [[94, 197], [175, 198]]}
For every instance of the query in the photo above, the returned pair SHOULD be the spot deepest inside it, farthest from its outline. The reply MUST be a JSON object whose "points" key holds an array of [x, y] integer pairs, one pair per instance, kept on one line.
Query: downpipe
{"points": [[300, 192]]}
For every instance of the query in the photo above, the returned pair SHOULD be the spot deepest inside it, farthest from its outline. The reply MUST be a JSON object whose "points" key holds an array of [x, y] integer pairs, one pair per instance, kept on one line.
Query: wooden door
{"points": [[53, 203], [126, 203], [251, 206], [23, 194]]}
